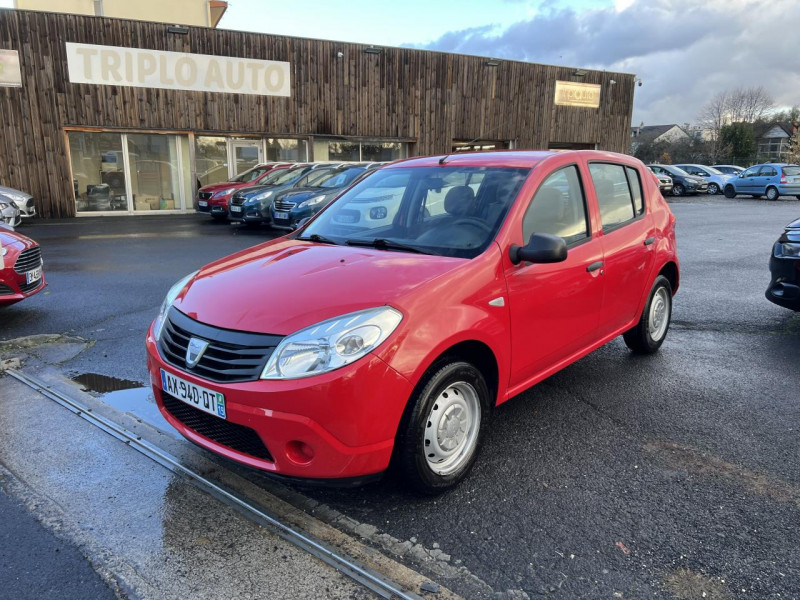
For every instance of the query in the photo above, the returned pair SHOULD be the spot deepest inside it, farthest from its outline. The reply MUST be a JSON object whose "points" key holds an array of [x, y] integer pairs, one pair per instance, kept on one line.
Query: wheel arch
{"points": [[671, 272]]}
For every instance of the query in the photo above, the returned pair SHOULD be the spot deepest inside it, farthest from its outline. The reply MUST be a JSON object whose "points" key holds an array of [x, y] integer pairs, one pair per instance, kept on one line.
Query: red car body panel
{"points": [[549, 315], [218, 203], [12, 282]]}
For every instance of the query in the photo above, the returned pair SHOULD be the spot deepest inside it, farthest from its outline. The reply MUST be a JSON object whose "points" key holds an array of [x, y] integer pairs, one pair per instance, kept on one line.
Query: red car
{"points": [[20, 267], [388, 327], [213, 199]]}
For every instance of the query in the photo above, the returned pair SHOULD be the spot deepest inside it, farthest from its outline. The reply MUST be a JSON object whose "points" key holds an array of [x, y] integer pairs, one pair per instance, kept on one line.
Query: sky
{"points": [[685, 51]]}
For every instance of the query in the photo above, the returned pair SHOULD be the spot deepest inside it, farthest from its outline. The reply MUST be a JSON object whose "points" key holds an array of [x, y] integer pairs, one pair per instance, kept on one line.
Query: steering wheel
{"points": [[474, 221]]}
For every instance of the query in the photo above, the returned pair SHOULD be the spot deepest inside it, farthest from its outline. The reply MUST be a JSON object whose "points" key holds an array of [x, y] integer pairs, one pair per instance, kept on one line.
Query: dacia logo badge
{"points": [[195, 351]]}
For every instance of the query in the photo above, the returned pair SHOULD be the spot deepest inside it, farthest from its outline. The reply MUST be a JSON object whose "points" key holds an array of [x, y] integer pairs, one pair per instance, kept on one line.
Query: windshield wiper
{"points": [[384, 244], [319, 239]]}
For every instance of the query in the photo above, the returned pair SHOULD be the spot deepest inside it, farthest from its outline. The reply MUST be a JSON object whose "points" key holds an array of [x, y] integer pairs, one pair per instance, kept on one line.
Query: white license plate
{"points": [[202, 203], [281, 215], [236, 209], [35, 275], [206, 400]]}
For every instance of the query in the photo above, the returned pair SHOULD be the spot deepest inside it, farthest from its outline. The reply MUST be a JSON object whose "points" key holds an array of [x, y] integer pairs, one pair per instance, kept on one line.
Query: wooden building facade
{"points": [[77, 146]]}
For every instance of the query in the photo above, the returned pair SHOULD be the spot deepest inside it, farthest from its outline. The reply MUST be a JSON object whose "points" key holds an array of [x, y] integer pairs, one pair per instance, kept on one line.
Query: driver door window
{"points": [[559, 208]]}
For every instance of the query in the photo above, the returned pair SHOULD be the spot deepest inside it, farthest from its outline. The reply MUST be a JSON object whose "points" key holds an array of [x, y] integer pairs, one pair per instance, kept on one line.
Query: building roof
{"points": [[763, 128], [649, 133]]}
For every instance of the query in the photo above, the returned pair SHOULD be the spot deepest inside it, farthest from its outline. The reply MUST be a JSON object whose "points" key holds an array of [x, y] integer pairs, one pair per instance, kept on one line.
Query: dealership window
{"points": [[211, 159], [286, 150], [351, 151], [129, 172]]}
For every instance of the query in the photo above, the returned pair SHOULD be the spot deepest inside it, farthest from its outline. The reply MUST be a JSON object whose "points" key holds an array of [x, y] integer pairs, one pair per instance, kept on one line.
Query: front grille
{"points": [[29, 287], [231, 355], [283, 206], [204, 195], [6, 290], [29, 260], [237, 200], [234, 436]]}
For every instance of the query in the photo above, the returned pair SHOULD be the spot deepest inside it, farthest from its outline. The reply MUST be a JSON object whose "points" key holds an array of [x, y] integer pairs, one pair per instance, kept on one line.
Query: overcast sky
{"points": [[684, 50]]}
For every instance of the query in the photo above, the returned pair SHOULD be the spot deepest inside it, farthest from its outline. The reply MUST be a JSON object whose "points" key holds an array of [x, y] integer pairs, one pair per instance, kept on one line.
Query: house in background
{"points": [[653, 134], [773, 140]]}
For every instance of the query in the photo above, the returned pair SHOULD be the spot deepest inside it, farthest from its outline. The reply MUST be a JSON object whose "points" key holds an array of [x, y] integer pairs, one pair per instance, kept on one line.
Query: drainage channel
{"points": [[374, 581]]}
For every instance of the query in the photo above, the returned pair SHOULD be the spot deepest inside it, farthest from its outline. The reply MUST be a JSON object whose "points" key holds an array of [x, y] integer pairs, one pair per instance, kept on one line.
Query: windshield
{"points": [[272, 177], [250, 174], [713, 171], [338, 179], [448, 211], [288, 175], [317, 175], [675, 171]]}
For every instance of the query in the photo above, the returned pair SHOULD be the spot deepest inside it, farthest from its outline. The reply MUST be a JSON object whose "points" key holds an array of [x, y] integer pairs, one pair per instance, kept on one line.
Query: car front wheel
{"points": [[730, 192], [678, 190], [772, 193], [713, 189], [649, 333], [438, 440]]}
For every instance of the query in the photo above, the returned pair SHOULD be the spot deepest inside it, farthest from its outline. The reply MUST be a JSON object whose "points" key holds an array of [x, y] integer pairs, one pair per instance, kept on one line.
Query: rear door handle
{"points": [[649, 241], [594, 266]]}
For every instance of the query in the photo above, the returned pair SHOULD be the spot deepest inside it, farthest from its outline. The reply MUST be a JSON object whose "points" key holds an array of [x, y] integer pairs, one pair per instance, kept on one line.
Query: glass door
{"points": [[245, 155]]}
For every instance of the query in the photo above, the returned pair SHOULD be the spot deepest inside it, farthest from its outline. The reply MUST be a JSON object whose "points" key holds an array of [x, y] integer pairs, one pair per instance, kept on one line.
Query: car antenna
{"points": [[446, 156]]}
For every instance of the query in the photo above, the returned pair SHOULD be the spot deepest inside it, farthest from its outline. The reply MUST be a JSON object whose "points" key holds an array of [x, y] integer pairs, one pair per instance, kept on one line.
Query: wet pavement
{"points": [[671, 476]]}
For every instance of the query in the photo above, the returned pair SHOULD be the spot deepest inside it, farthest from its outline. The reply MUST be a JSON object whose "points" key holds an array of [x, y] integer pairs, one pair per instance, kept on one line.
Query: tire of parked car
{"points": [[730, 192], [438, 439], [772, 193], [678, 190], [713, 189], [649, 333]]}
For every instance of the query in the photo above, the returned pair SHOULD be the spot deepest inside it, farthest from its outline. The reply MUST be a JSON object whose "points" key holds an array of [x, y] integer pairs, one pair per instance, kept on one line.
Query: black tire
{"points": [[798, 197], [640, 338], [678, 190], [413, 445], [713, 189], [730, 192], [772, 194]]}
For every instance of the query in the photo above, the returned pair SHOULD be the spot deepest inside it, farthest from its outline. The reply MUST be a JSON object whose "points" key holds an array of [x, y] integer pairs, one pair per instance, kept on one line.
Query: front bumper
{"points": [[213, 206], [334, 426], [249, 213], [784, 286], [12, 288]]}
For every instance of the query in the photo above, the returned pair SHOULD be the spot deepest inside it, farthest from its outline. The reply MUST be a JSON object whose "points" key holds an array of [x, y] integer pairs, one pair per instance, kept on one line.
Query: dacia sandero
{"points": [[385, 330]]}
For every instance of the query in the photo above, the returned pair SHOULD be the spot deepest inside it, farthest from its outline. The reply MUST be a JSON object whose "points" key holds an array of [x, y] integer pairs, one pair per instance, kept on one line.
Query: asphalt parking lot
{"points": [[669, 476]]}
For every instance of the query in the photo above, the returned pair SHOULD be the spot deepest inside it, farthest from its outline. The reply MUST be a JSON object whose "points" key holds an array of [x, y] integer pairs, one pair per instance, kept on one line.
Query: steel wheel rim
{"points": [[451, 429], [658, 319], [678, 190], [772, 194], [713, 189]]}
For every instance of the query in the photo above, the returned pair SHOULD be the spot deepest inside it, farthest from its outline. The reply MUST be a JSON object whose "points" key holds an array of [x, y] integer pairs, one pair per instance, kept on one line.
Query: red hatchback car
{"points": [[389, 326], [213, 199], [20, 267]]}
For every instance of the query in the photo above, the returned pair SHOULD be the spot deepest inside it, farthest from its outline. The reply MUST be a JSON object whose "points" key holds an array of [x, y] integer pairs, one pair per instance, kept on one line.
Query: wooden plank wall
{"points": [[431, 98]]}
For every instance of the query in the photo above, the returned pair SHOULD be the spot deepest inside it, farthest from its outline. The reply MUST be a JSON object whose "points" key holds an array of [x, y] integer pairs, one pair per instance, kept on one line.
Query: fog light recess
{"points": [[299, 452]]}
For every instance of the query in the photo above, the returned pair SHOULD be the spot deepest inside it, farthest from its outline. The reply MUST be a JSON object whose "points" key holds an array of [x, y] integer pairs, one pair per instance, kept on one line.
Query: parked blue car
{"points": [[715, 179], [772, 180], [729, 169]]}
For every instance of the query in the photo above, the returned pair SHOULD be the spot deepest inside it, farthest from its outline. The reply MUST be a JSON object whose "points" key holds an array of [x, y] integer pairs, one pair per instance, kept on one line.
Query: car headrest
{"points": [[458, 201]]}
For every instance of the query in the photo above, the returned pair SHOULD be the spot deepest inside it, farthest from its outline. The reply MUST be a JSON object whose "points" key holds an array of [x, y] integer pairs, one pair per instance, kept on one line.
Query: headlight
{"points": [[263, 195], [311, 201], [331, 344], [171, 295], [226, 192], [4, 205], [787, 250]]}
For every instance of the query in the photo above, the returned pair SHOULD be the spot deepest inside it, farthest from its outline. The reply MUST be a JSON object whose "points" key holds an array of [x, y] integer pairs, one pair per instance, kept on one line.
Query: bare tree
{"points": [[714, 116], [741, 105]]}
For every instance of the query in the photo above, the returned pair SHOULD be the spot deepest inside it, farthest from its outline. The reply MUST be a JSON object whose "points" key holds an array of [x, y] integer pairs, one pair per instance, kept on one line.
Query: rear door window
{"points": [[768, 172], [613, 194], [636, 189]]}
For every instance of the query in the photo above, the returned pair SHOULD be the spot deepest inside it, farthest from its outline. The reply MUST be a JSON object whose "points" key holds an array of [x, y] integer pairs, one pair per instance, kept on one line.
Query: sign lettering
{"points": [[572, 93]]}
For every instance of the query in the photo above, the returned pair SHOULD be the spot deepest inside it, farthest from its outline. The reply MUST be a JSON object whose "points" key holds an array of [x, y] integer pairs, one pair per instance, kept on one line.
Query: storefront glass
{"points": [[98, 171], [325, 150], [378, 151], [211, 159], [156, 171], [286, 150]]}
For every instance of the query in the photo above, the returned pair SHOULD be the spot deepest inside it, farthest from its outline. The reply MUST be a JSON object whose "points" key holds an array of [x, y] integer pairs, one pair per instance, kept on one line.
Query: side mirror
{"points": [[741, 175], [541, 248]]}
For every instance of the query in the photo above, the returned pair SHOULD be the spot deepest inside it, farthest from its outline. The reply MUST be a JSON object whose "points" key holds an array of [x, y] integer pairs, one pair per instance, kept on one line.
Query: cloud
{"points": [[684, 51]]}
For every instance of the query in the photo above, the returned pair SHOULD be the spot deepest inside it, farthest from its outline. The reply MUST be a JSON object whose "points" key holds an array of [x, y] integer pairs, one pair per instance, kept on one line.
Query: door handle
{"points": [[594, 266], [649, 241]]}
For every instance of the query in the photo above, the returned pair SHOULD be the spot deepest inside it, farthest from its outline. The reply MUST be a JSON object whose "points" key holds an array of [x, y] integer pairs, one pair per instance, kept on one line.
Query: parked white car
{"points": [[9, 213], [729, 169], [24, 202], [715, 179]]}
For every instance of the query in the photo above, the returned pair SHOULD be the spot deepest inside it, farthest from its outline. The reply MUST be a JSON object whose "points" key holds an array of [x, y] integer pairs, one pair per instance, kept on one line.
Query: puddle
{"points": [[92, 382]]}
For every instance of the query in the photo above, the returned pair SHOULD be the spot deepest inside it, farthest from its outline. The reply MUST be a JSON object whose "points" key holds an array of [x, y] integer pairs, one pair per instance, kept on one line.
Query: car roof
{"points": [[501, 158]]}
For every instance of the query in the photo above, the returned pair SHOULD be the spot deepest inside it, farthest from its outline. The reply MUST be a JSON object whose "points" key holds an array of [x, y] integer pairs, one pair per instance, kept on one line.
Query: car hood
{"points": [[223, 185], [9, 238], [297, 195], [283, 286], [8, 190]]}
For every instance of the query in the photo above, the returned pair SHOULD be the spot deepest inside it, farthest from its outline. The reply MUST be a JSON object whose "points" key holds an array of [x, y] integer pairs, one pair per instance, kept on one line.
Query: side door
{"points": [[748, 181], [766, 176], [628, 240], [555, 308]]}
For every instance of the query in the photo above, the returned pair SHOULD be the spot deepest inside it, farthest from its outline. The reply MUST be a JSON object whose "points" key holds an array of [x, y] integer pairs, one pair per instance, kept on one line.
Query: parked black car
{"points": [[252, 205], [292, 206], [784, 265], [682, 182]]}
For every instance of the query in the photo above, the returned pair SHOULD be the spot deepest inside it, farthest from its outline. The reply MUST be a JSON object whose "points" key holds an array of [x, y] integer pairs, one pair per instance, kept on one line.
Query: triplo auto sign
{"points": [[134, 67]]}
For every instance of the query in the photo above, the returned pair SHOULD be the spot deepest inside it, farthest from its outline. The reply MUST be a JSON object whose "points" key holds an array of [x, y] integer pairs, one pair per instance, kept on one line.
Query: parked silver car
{"points": [[715, 179], [24, 202], [9, 213]]}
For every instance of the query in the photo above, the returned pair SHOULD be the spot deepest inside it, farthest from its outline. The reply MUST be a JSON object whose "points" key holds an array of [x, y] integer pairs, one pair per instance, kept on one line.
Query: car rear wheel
{"points": [[713, 189], [438, 441], [651, 330], [772, 193], [730, 192], [678, 190]]}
